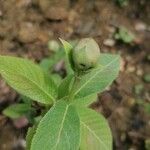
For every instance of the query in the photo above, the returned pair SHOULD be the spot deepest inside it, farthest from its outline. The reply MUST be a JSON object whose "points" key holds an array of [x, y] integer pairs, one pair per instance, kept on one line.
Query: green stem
{"points": [[74, 86]]}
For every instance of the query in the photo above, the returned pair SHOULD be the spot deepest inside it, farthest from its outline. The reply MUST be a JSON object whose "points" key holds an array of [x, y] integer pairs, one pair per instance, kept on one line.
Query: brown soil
{"points": [[26, 26]]}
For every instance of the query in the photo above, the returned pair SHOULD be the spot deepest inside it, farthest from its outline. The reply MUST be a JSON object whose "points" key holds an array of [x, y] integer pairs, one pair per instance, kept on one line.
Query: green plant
{"points": [[67, 123], [124, 35], [122, 3]]}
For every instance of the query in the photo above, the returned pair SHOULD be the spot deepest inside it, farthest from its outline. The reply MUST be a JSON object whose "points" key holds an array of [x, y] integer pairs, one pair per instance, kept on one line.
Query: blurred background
{"points": [[31, 28]]}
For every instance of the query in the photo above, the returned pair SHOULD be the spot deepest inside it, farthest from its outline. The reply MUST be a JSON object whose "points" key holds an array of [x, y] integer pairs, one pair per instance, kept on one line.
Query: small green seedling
{"points": [[122, 3], [67, 123], [124, 35]]}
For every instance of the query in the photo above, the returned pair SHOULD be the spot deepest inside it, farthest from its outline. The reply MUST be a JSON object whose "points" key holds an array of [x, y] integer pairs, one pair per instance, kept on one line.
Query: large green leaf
{"points": [[95, 132], [58, 130], [85, 101], [28, 79], [64, 87], [29, 136], [99, 78]]}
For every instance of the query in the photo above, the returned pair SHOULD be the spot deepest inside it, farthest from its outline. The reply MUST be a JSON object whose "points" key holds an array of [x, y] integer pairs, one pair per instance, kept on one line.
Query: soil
{"points": [[26, 26]]}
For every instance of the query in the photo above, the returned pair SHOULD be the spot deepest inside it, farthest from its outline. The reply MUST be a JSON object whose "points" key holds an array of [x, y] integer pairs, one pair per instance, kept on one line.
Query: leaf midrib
{"points": [[61, 126], [33, 82], [94, 135], [94, 76]]}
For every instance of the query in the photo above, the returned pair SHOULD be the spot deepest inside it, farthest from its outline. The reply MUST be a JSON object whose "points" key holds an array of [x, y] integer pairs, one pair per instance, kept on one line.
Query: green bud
{"points": [[86, 54]]}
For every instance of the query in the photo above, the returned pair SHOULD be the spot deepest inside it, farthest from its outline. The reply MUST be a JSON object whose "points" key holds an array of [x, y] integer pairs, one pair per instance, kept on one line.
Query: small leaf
{"points": [[17, 110], [68, 49], [58, 130], [124, 35], [85, 101], [99, 78], [95, 132], [28, 79], [64, 87], [67, 46]]}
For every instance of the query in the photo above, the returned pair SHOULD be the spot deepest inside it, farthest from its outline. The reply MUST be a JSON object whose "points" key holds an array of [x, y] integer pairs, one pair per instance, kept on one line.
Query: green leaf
{"points": [[56, 78], [67, 46], [28, 79], [99, 78], [47, 64], [64, 87], [58, 130], [122, 3], [17, 110], [29, 136], [95, 132], [85, 101], [68, 49], [124, 35], [25, 100]]}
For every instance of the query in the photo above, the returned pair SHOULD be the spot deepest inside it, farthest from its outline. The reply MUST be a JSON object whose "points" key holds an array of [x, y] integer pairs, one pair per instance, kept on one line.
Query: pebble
{"points": [[23, 3], [27, 32], [109, 42], [53, 45], [1, 13], [140, 26], [111, 29], [20, 122], [131, 69], [85, 27], [139, 72], [54, 9], [19, 144], [122, 64]]}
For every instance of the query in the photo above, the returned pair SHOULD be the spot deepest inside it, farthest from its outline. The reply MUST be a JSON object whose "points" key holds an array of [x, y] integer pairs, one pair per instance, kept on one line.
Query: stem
{"points": [[74, 86]]}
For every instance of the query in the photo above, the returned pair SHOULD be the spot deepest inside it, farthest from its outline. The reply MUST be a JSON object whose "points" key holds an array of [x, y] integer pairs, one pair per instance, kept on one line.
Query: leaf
{"points": [[29, 136], [58, 130], [17, 110], [98, 79], [124, 35], [68, 49], [64, 87], [95, 132], [85, 101], [28, 79], [56, 78], [67, 46], [48, 64], [25, 100]]}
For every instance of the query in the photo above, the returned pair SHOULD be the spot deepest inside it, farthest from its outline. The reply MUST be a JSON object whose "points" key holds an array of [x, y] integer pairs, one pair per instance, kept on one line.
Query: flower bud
{"points": [[86, 54]]}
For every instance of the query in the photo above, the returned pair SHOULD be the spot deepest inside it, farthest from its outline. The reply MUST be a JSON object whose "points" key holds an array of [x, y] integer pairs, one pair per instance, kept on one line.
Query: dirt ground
{"points": [[26, 26]]}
